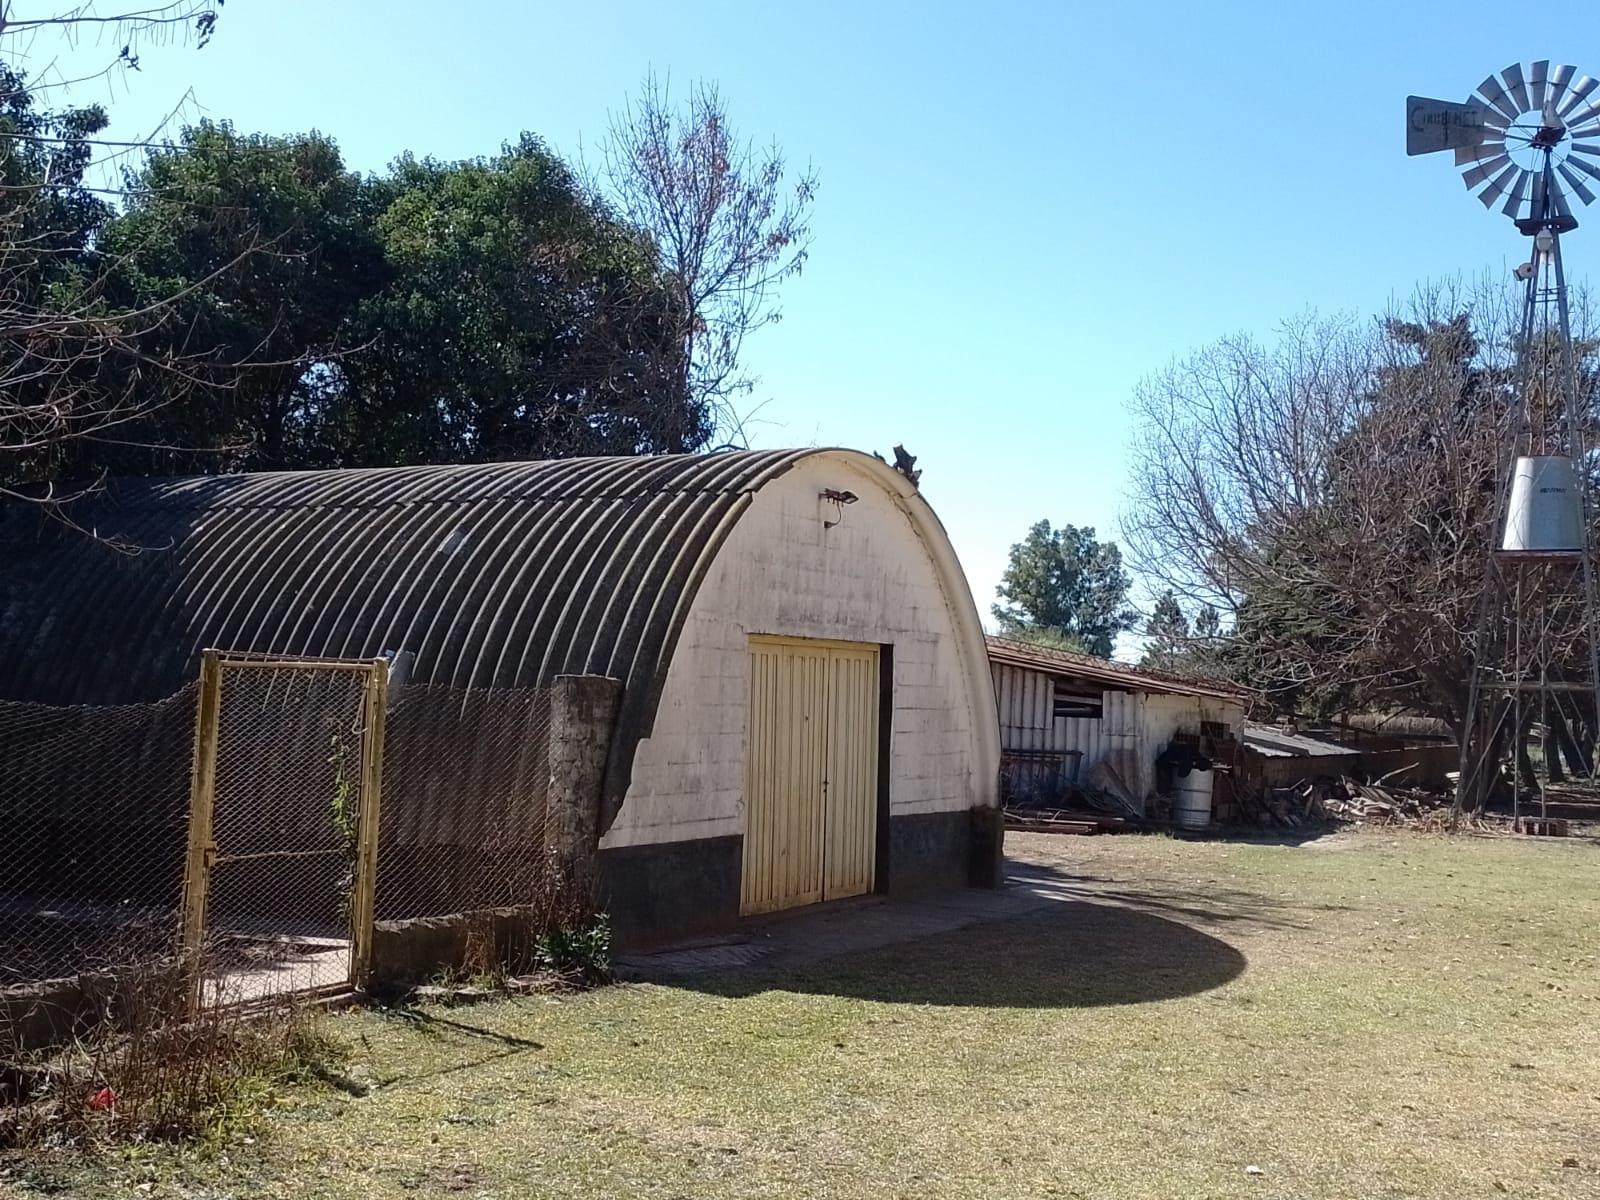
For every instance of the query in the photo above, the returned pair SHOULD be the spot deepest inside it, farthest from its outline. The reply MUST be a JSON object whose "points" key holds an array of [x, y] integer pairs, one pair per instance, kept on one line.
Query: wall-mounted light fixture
{"points": [[838, 499]]}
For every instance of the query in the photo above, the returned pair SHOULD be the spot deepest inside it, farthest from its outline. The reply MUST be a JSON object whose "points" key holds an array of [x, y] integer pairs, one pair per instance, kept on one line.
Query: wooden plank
{"points": [[1076, 827]]}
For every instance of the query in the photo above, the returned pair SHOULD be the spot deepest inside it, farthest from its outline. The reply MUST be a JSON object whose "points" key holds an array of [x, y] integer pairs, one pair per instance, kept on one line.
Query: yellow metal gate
{"points": [[811, 797], [283, 824]]}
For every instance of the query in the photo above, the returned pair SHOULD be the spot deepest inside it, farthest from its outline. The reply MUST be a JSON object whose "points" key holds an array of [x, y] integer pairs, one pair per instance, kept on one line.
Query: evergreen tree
{"points": [[1064, 588]]}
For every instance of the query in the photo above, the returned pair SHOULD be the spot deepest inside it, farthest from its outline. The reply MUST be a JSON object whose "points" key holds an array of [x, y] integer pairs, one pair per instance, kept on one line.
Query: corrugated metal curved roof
{"points": [[493, 575]]}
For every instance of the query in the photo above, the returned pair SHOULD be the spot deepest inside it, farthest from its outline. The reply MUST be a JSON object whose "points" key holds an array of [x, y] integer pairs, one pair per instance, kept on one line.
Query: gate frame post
{"points": [[362, 907], [202, 805]]}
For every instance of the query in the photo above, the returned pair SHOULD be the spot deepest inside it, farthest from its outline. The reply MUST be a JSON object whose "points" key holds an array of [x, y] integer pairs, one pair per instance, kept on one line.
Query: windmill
{"points": [[1528, 141]]}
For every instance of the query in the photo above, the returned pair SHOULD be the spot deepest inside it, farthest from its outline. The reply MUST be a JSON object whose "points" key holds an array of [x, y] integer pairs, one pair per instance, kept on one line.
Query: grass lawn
{"points": [[1371, 1015]]}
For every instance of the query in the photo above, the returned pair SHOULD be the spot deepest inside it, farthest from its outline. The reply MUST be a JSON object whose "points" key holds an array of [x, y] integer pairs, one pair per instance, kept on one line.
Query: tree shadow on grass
{"points": [[1209, 903], [460, 1042], [1074, 954]]}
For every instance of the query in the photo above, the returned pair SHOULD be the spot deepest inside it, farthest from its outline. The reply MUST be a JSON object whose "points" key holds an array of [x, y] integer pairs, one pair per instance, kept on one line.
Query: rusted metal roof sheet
{"points": [[1273, 741], [492, 575], [1105, 672]]}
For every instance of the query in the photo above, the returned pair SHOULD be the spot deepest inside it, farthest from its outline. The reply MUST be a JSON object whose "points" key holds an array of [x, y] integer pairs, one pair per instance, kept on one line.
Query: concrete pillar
{"points": [[986, 862], [583, 715]]}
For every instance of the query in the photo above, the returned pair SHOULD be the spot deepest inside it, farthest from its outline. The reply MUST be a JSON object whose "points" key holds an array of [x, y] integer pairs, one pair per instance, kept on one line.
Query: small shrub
{"points": [[580, 954]]}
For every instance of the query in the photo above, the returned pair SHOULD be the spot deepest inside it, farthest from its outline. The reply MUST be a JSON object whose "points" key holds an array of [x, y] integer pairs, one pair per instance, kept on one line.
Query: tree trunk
{"points": [[1525, 771], [1493, 772], [1583, 737], [1566, 746], [1489, 778], [1481, 762], [1550, 748], [1462, 726]]}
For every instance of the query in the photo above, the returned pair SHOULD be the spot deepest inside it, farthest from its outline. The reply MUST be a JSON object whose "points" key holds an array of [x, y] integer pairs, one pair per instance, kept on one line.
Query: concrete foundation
{"points": [[406, 952], [679, 891]]}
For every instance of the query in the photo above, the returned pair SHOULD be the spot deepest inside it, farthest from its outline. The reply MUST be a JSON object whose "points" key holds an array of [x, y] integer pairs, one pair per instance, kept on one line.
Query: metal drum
{"points": [[1191, 800], [1545, 512]]}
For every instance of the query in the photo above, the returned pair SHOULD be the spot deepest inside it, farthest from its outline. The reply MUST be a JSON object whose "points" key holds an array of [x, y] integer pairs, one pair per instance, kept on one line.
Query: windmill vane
{"points": [[1526, 140]]}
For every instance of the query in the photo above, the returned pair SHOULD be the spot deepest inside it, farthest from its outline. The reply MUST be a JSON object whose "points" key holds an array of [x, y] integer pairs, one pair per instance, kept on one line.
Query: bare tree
{"points": [[72, 362], [1332, 491], [728, 228]]}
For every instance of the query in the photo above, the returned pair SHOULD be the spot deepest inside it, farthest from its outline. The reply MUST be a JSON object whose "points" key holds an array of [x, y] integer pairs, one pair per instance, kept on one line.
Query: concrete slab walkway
{"points": [[809, 935]]}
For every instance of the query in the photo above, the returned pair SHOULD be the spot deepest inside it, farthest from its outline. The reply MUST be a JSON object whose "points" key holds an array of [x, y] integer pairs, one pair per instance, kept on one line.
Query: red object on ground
{"points": [[102, 1099]]}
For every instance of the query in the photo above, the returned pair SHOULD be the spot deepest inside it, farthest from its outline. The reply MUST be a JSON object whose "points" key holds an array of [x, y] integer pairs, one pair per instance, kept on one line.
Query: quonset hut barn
{"points": [[806, 713]]}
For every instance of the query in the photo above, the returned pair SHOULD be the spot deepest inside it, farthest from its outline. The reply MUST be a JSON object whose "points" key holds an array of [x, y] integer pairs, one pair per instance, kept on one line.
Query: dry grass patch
{"points": [[1379, 1015]]}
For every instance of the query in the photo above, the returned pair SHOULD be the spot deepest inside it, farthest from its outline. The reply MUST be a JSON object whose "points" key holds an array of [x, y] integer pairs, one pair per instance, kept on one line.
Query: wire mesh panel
{"points": [[280, 790], [94, 804], [465, 786], [1038, 778]]}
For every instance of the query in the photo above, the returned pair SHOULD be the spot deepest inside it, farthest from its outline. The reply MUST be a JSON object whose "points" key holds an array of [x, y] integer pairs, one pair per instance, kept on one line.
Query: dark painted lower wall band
{"points": [[677, 891]]}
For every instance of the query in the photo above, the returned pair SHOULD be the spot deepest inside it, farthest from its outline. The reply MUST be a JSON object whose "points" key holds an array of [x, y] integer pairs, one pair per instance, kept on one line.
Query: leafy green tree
{"points": [[48, 223], [1198, 649], [269, 243], [521, 320], [255, 304], [442, 312], [1063, 587], [1209, 646]]}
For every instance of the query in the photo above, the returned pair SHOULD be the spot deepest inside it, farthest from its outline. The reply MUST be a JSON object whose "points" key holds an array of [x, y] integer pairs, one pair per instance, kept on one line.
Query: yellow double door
{"points": [[811, 792]]}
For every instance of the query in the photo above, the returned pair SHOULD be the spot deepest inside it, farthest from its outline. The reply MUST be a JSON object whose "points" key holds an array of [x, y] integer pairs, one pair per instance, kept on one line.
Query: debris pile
{"points": [[1380, 804], [1346, 799]]}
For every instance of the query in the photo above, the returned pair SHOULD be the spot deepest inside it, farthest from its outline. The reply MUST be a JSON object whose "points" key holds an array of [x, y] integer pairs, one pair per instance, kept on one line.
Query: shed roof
{"points": [[1271, 741], [1104, 672], [493, 575]]}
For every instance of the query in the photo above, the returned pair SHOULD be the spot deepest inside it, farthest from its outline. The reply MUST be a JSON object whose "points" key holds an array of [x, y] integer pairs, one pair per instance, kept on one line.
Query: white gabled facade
{"points": [[880, 571]]}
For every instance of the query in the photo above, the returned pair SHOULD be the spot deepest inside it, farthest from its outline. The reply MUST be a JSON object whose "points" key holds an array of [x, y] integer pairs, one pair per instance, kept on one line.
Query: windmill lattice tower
{"points": [[1525, 141]]}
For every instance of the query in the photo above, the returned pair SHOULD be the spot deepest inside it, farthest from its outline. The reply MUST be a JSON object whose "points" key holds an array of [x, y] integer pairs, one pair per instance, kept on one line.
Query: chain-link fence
{"points": [[94, 809], [466, 779], [470, 865], [279, 817]]}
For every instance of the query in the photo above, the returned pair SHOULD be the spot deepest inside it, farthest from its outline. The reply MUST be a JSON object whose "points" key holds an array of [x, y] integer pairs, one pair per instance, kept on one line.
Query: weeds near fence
{"points": [[580, 954], [524, 915], [343, 811], [541, 926], [143, 1067]]}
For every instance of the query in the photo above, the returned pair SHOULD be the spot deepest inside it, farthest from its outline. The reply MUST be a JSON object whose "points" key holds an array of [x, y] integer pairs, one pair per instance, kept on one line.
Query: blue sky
{"points": [[1024, 208]]}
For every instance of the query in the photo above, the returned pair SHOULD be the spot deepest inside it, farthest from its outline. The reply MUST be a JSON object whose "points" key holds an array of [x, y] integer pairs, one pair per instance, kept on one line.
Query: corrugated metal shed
{"points": [[1026, 703], [1139, 710], [1104, 672], [492, 575]]}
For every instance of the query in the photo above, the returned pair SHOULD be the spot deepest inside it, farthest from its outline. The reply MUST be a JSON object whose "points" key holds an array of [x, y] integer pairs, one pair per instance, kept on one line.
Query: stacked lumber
{"points": [[1280, 807]]}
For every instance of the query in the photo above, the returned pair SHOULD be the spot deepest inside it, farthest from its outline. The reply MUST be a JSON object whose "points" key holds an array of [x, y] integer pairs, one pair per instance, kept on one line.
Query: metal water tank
{"points": [[1191, 799], [1545, 513]]}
